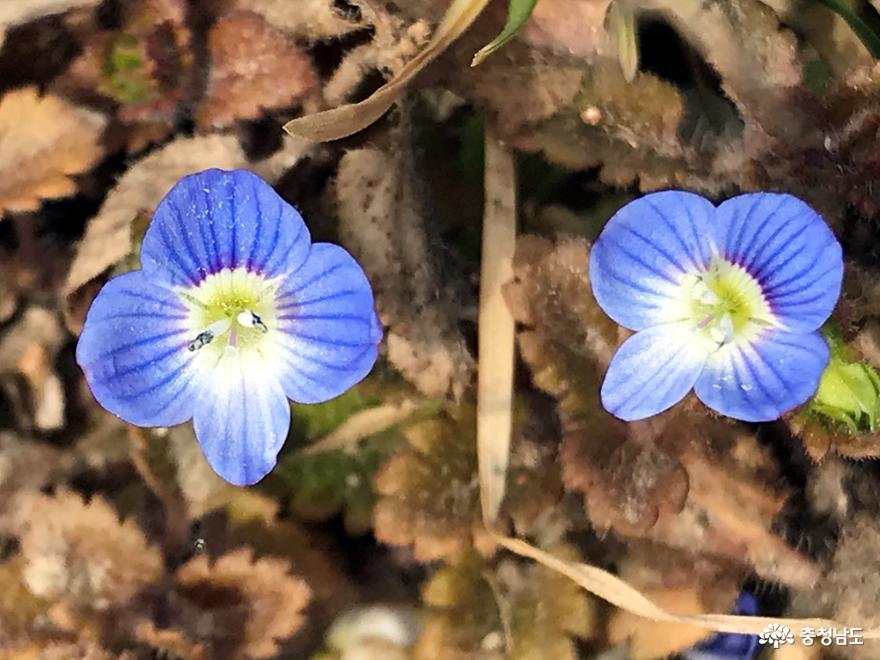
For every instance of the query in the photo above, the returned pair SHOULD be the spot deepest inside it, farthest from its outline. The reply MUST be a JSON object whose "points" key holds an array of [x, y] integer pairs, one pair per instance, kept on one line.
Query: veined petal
{"points": [[787, 247], [242, 418], [328, 330], [217, 219], [133, 351], [653, 370], [761, 380], [638, 262]]}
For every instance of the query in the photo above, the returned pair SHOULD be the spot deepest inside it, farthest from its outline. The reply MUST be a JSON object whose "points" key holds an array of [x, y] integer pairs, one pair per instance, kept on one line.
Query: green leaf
{"points": [[518, 12]]}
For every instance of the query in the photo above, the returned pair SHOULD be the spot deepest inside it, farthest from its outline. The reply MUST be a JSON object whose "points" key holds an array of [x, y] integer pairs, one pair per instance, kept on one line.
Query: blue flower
{"points": [[724, 300], [233, 312], [729, 646]]}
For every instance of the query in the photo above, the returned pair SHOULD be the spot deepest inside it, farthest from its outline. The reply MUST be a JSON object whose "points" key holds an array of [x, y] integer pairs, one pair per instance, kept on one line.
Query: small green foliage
{"points": [[124, 71], [849, 391], [518, 12], [324, 484], [321, 485], [312, 422]]}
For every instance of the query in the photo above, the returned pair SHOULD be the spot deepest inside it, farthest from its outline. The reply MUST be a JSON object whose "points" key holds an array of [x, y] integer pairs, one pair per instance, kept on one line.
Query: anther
{"points": [[208, 335], [202, 339], [250, 319]]}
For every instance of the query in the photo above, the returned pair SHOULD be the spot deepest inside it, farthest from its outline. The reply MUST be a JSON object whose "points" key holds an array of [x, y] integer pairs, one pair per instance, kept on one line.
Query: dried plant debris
{"points": [[567, 339], [505, 610], [18, 13], [28, 351], [382, 221], [428, 491], [312, 19], [570, 26], [847, 591], [680, 583], [249, 605], [44, 141], [254, 67], [83, 554]]}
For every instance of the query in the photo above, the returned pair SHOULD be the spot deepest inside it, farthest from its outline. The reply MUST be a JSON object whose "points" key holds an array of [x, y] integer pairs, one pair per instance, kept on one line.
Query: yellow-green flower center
{"points": [[725, 303], [232, 309]]}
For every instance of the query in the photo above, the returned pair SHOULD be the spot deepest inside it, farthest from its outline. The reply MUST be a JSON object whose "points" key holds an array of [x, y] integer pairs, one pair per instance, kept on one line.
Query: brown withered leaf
{"points": [[18, 13], [571, 26], [382, 221], [520, 88], [82, 650], [44, 141], [733, 498], [28, 350], [19, 608], [83, 554], [681, 583], [238, 607], [627, 481], [311, 19], [169, 643], [429, 491], [254, 67], [849, 586], [819, 438], [568, 341]]}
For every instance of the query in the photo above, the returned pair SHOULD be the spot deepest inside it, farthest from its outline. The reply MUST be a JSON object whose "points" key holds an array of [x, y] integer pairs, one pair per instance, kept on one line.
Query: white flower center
{"points": [[725, 303], [230, 310]]}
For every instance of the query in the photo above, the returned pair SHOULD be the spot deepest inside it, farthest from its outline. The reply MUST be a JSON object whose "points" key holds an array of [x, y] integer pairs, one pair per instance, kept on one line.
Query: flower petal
{"points": [[759, 381], [787, 247], [637, 263], [242, 418], [329, 332], [133, 351], [653, 370], [217, 219]]}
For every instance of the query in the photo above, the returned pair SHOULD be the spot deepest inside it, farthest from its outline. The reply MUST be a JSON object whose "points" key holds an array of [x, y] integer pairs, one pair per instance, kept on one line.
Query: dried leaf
{"points": [[19, 609], [169, 643], [82, 553], [12, 14], [317, 20], [680, 583], [847, 590], [429, 491], [84, 650], [108, 236], [382, 221], [239, 607], [28, 351], [571, 26], [254, 67], [349, 119], [44, 141], [496, 326]]}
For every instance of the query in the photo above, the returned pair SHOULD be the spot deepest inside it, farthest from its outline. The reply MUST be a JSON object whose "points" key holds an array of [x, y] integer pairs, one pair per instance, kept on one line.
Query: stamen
{"points": [[249, 319], [202, 339], [208, 335]]}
